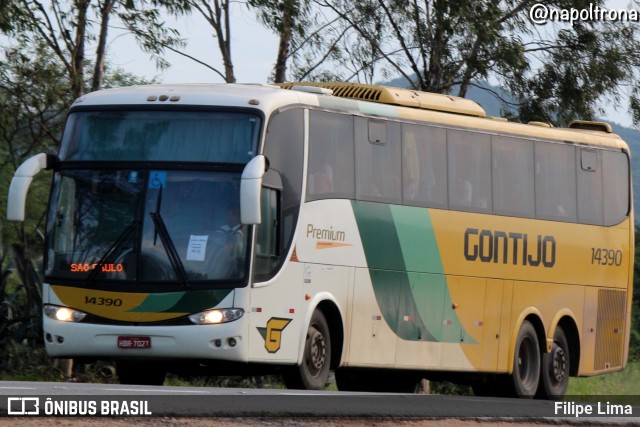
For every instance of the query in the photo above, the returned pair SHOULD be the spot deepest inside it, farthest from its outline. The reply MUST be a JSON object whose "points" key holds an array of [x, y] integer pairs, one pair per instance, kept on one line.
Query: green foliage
{"points": [[145, 20], [264, 382], [120, 78], [445, 387], [35, 95], [557, 73], [624, 383]]}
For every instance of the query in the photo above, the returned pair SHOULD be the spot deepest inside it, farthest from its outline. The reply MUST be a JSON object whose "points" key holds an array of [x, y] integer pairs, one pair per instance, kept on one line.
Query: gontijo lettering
{"points": [[509, 248]]}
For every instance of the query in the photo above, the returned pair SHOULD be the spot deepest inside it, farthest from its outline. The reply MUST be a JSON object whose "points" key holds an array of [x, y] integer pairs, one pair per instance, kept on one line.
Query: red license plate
{"points": [[134, 342]]}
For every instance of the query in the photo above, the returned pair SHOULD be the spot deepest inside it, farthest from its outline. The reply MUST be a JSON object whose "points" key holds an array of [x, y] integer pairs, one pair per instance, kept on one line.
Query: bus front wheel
{"points": [[526, 363], [554, 375], [313, 373]]}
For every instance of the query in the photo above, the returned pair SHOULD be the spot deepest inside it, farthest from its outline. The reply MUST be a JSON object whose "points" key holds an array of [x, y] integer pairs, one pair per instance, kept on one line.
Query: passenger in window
{"points": [[463, 193], [233, 225], [482, 203], [322, 181], [229, 245], [411, 183], [411, 189], [411, 167], [562, 211]]}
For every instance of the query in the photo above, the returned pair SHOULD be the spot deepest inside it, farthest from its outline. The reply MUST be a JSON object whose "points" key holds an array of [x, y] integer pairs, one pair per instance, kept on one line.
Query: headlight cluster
{"points": [[63, 314], [220, 315]]}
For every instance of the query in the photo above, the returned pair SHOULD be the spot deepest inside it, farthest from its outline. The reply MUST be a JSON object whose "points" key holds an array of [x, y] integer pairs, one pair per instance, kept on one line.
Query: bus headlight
{"points": [[219, 315], [63, 314]]}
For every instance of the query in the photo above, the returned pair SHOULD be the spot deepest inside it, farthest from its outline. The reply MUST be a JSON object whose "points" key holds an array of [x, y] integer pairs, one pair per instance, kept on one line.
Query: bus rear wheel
{"points": [[313, 373], [554, 375], [526, 363], [140, 372]]}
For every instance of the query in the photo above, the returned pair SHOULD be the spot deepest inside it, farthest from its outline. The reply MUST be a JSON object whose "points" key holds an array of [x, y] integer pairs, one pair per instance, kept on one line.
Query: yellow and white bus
{"points": [[384, 233]]}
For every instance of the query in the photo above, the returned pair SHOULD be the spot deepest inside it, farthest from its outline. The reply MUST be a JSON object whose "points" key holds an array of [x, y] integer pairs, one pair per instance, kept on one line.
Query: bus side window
{"points": [[284, 147], [378, 161], [424, 166], [330, 172], [590, 203], [469, 168], [512, 175], [555, 182], [615, 166], [268, 235]]}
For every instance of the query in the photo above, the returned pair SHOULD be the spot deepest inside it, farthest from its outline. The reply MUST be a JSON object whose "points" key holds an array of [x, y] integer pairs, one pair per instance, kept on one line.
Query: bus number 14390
{"points": [[603, 256]]}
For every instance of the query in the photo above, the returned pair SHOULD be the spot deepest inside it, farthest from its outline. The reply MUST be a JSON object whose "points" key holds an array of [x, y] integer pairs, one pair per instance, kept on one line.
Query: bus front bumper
{"points": [[221, 341]]}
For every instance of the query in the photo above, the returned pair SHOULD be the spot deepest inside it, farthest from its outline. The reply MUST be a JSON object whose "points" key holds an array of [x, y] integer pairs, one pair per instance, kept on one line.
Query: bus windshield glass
{"points": [[190, 136], [148, 226]]}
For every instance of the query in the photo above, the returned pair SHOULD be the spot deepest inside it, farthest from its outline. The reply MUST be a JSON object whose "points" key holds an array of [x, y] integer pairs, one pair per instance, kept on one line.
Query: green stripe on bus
{"points": [[417, 239], [379, 237], [181, 302], [406, 272], [422, 258]]}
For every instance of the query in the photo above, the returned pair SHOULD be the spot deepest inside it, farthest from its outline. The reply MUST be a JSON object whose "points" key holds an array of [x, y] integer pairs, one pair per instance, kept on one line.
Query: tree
{"points": [[35, 94], [288, 18], [217, 13], [557, 73], [64, 27], [307, 38]]}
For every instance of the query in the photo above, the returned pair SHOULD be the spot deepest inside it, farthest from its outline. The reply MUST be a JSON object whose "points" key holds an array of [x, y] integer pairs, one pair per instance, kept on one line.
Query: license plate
{"points": [[134, 342]]}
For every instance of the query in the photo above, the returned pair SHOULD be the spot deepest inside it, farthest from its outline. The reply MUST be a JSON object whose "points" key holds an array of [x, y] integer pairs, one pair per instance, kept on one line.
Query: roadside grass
{"points": [[273, 382], [28, 364], [624, 383], [266, 382]]}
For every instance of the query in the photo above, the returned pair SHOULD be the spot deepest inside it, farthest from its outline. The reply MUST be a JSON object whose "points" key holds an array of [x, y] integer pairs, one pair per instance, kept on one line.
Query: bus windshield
{"points": [[147, 226], [143, 220], [190, 136]]}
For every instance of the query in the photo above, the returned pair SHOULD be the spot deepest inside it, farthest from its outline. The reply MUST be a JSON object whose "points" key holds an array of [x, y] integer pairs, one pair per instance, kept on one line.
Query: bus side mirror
{"points": [[250, 189], [22, 181]]}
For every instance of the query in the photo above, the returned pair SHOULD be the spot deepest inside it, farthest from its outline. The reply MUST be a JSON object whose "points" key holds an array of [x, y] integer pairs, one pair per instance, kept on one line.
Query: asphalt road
{"points": [[109, 399]]}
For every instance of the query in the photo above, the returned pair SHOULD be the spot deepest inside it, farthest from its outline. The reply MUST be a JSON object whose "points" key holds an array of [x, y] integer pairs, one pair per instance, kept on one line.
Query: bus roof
{"points": [[430, 108]]}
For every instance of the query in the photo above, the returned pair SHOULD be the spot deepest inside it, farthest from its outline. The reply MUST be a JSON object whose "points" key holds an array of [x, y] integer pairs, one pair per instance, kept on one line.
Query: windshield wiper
{"points": [[161, 229], [115, 245]]}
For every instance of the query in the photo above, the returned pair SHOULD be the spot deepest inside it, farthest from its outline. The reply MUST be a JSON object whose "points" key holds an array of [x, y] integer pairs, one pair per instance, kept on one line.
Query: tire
{"points": [[140, 372], [526, 363], [314, 371], [554, 374]]}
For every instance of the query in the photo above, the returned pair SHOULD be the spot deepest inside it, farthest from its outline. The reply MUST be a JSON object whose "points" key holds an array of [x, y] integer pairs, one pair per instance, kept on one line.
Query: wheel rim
{"points": [[558, 365], [317, 351], [526, 368]]}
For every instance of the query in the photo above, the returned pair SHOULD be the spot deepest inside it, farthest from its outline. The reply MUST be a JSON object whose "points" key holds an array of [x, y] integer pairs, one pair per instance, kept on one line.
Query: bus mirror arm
{"points": [[250, 190], [22, 181]]}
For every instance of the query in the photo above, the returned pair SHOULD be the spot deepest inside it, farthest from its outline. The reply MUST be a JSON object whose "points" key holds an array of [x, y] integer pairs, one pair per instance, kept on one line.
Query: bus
{"points": [[386, 234]]}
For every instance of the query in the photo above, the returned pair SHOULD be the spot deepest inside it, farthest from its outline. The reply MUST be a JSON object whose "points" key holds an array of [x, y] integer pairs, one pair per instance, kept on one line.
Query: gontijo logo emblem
{"points": [[272, 334]]}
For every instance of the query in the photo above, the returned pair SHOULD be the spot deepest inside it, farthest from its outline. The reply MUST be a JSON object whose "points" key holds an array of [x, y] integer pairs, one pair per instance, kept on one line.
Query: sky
{"points": [[254, 50]]}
